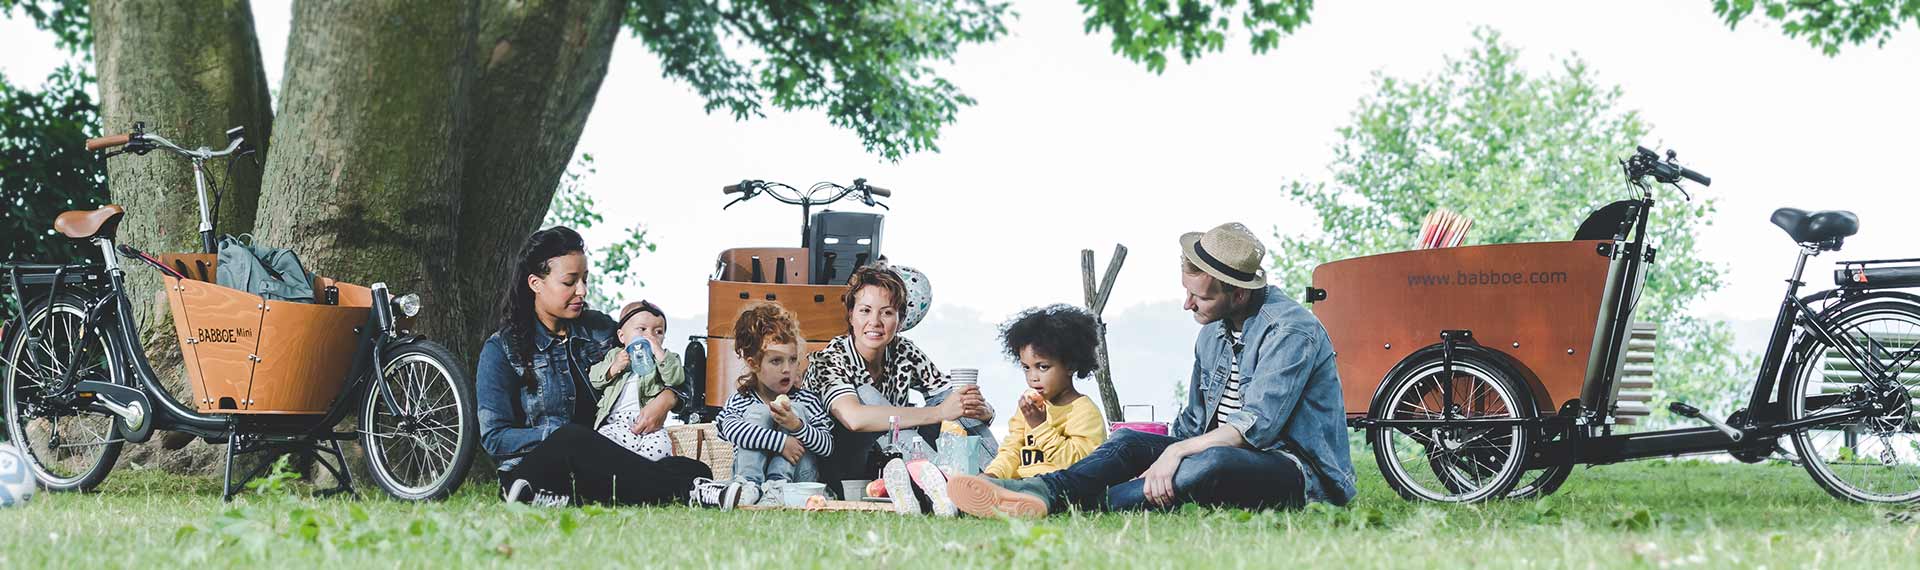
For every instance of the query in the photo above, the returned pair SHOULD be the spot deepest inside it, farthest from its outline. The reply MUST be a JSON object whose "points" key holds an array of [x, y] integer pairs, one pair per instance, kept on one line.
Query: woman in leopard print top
{"points": [[866, 373]]}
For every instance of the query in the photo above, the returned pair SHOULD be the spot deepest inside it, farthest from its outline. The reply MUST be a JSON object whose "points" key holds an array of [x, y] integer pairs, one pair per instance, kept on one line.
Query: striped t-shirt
{"points": [[1230, 397], [816, 427]]}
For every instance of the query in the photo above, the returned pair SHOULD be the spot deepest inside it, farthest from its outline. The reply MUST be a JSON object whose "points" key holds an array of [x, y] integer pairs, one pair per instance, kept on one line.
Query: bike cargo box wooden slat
{"points": [[822, 313], [737, 264], [1544, 297], [248, 355]]}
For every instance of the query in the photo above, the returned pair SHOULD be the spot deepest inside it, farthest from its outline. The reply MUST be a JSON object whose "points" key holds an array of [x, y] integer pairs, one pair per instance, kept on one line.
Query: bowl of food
{"points": [[795, 495]]}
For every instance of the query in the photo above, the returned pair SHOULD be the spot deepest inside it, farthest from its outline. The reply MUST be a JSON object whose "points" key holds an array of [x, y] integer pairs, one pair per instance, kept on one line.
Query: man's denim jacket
{"points": [[1289, 390]]}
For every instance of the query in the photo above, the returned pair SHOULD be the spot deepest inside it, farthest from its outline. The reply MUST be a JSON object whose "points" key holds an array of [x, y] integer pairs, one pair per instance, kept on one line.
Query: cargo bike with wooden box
{"points": [[267, 376], [808, 280], [1490, 371]]}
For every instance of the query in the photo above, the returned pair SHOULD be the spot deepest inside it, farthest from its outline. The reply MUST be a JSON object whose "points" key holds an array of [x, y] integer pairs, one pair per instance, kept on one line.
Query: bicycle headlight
{"points": [[409, 304]]}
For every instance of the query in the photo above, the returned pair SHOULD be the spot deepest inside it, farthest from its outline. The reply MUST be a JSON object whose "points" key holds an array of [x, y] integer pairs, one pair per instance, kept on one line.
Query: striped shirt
{"points": [[816, 427], [1230, 397]]}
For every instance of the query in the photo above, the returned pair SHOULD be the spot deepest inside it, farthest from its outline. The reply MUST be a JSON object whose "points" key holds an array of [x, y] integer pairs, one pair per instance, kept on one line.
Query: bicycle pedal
{"points": [[1687, 411]]}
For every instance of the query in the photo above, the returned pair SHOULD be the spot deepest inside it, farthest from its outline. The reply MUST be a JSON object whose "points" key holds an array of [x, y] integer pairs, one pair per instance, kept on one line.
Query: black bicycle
{"points": [[268, 376], [1468, 417]]}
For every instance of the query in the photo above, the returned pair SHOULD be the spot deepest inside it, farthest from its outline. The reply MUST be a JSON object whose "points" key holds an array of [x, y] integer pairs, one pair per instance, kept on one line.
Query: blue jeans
{"points": [[757, 466], [1220, 476], [852, 449]]}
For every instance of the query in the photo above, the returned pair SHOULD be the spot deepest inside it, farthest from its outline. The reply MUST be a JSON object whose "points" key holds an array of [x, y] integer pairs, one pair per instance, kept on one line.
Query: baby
{"points": [[630, 380]]}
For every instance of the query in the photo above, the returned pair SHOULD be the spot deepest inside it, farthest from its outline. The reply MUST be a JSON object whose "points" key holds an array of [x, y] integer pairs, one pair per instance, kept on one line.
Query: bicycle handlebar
{"points": [[142, 141], [1668, 170], [1695, 176], [108, 141], [881, 192], [735, 188]]}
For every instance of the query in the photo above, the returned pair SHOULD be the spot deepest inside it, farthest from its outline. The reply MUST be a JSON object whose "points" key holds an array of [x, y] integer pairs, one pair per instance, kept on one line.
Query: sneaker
{"points": [[523, 492], [723, 495], [900, 488], [749, 493], [545, 499], [933, 482], [771, 494], [980, 497], [519, 492]]}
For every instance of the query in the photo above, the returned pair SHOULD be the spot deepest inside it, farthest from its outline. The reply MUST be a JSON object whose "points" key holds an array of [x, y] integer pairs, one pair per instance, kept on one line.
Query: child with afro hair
{"points": [[1056, 424]]}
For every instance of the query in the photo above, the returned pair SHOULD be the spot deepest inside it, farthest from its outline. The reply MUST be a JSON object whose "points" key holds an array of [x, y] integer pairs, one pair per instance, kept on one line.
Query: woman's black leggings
{"points": [[576, 461]]}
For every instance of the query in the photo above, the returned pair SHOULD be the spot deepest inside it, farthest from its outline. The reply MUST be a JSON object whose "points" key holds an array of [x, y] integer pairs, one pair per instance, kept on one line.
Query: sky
{"points": [[1072, 147]]}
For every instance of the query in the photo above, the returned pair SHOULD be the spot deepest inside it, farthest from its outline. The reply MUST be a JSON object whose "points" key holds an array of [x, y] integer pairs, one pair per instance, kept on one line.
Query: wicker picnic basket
{"points": [[702, 442]]}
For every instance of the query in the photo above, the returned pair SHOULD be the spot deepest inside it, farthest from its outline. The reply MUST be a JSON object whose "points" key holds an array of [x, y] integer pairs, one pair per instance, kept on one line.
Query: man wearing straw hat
{"points": [[1264, 424]]}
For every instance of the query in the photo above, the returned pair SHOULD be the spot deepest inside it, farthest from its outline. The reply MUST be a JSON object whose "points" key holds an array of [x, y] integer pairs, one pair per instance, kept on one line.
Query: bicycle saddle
{"points": [[1818, 226], [85, 224]]}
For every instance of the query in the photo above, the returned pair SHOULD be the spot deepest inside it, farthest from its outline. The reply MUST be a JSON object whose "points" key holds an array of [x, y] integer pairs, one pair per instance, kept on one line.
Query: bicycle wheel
{"points": [[1453, 464], [70, 448], [1544, 482], [1875, 459], [421, 451]]}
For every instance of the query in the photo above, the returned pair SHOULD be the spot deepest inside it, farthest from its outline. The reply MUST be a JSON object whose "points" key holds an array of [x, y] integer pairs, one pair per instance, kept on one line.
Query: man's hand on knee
{"points": [[1159, 477]]}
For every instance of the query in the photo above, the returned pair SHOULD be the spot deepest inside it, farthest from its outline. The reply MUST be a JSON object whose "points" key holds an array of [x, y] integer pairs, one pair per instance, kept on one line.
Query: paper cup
{"points": [[854, 489], [965, 376]]}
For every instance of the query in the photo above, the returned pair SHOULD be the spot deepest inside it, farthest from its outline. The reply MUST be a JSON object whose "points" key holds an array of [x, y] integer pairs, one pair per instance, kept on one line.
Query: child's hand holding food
{"points": [[1033, 407]]}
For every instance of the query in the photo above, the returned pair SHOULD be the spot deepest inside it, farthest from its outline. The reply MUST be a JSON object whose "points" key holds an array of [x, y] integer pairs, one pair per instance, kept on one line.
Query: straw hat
{"points": [[1229, 253]]}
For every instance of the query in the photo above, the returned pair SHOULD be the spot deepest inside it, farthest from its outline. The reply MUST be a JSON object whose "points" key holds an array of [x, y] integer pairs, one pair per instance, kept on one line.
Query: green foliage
{"points": [[613, 265], [1144, 30], [870, 63], [867, 63], [67, 19], [45, 168], [1827, 24], [1528, 157], [275, 482]]}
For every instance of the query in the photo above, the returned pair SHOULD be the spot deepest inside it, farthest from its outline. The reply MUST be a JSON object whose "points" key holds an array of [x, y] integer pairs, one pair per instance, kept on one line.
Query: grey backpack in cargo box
{"points": [[273, 273]]}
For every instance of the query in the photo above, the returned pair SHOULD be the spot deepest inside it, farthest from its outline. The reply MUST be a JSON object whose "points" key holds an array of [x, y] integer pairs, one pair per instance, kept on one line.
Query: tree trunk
{"points": [[189, 69], [365, 184], [541, 67]]}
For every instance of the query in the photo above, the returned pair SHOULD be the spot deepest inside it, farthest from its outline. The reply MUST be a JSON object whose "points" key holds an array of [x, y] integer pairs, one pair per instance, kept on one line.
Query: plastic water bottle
{"points": [[641, 352]]}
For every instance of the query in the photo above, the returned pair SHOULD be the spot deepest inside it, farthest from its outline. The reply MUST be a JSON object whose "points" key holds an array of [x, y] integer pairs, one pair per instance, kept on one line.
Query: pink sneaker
{"points": [[928, 477], [981, 497]]}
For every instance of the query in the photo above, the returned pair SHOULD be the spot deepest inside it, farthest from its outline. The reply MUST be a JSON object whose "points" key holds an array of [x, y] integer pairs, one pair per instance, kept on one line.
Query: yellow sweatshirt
{"points": [[1069, 434]]}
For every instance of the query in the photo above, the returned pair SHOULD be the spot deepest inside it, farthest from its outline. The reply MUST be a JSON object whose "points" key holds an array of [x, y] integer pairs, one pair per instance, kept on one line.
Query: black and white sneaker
{"points": [[523, 492], [723, 495], [519, 492]]}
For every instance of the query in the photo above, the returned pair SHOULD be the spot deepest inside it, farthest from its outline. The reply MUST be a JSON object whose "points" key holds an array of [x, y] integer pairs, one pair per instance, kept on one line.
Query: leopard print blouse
{"points": [[838, 370]]}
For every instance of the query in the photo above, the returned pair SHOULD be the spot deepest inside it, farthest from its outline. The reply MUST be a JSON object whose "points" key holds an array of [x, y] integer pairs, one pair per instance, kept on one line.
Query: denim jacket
{"points": [[1289, 389], [514, 419]]}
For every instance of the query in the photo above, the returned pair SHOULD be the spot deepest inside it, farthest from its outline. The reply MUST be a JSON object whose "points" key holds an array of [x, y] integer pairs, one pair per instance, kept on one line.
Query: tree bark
{"points": [[541, 65], [365, 183], [189, 69]]}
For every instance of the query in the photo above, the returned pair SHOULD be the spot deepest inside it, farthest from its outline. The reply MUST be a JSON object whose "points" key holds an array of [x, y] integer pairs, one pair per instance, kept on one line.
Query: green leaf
{"points": [[1639, 519]]}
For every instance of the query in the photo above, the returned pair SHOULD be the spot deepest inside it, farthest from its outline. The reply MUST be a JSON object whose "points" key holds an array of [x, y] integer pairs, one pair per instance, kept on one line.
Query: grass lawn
{"points": [[1648, 514]]}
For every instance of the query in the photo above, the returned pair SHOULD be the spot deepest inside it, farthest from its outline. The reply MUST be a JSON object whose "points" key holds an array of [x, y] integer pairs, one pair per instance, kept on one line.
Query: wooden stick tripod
{"points": [[1097, 302]]}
